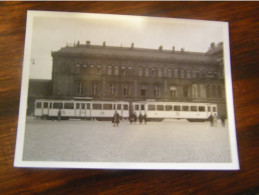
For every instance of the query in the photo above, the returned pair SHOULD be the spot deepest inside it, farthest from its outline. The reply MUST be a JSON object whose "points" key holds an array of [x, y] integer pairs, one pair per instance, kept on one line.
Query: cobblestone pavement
{"points": [[96, 141]]}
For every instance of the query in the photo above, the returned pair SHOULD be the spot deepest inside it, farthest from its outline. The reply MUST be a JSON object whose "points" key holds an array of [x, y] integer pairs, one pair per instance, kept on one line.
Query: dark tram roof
{"points": [[103, 51]]}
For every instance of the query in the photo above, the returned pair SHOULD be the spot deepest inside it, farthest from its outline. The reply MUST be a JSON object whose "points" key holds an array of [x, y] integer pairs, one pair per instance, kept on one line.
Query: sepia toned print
{"points": [[102, 93]]}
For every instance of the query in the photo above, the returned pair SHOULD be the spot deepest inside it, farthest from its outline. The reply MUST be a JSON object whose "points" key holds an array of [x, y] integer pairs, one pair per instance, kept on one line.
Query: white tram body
{"points": [[105, 109], [175, 110], [80, 109]]}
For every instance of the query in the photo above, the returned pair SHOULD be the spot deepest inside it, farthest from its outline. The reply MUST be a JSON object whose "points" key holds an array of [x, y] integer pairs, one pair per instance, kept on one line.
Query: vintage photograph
{"points": [[126, 92]]}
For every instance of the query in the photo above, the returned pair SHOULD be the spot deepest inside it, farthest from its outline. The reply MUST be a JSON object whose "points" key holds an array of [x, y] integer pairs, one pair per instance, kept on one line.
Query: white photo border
{"points": [[19, 162]]}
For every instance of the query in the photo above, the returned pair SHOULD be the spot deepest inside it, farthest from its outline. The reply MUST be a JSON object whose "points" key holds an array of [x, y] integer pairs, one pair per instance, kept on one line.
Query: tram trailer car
{"points": [[175, 110], [99, 110]]}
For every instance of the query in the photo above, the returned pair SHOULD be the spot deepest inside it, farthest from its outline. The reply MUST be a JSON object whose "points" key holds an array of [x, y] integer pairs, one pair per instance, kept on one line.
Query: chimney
{"points": [[160, 48], [212, 45], [132, 45]]}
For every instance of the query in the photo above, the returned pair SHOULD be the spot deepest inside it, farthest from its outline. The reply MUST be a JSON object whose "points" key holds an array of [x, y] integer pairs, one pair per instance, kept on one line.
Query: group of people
{"points": [[142, 118], [133, 118], [214, 120]]}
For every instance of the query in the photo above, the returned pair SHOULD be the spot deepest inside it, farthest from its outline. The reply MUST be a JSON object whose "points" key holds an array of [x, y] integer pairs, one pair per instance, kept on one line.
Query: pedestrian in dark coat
{"points": [[131, 118], [211, 120], [135, 117], [145, 118], [116, 119], [59, 114], [223, 118], [140, 118]]}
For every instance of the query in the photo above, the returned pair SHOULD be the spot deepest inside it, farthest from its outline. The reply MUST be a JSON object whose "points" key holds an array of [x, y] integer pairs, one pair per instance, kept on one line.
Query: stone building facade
{"points": [[101, 72]]}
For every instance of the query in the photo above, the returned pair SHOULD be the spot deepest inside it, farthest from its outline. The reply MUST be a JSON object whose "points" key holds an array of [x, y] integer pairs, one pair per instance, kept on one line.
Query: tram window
{"points": [[38, 105], [45, 105], [160, 107], [151, 107], [125, 107], [97, 106], [118, 106], [69, 106], [185, 108], [88, 106], [50, 105], [214, 109], [208, 108], [136, 107], [77, 105], [201, 109], [57, 105], [194, 108], [107, 106], [142, 107], [177, 108], [82, 106], [168, 107]]}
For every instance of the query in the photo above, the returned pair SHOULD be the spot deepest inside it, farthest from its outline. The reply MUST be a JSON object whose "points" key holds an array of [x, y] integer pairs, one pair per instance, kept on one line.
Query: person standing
{"points": [[215, 120], [223, 118], [135, 117], [59, 114], [211, 120], [116, 119], [131, 118], [145, 118], [140, 118]]}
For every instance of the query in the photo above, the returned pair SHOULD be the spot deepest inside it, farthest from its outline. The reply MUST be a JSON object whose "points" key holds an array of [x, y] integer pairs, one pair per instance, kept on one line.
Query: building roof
{"points": [[135, 54]]}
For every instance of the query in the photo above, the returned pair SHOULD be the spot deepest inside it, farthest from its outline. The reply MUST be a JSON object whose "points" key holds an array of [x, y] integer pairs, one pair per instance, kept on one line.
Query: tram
{"points": [[104, 110], [175, 110], [100, 110]]}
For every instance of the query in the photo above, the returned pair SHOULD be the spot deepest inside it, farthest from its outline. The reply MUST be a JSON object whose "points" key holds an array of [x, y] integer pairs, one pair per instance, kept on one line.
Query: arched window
{"points": [[188, 74], [198, 74], [176, 73], [194, 91], [194, 74], [80, 88], [146, 72], [214, 91], [112, 89], [169, 73], [94, 88], [182, 74], [116, 71], [219, 92], [156, 90], [78, 68], [125, 89], [123, 70], [208, 93], [109, 70], [99, 69], [185, 91], [160, 72], [153, 72], [173, 91], [143, 90], [140, 72]]}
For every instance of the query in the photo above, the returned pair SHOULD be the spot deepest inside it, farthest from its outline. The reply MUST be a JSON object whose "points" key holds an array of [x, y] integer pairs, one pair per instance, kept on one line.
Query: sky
{"points": [[51, 31]]}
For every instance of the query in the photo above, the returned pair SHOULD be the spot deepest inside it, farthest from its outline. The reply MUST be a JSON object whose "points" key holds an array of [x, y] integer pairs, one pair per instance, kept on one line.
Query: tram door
{"points": [[45, 110], [139, 108], [82, 110], [119, 108]]}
